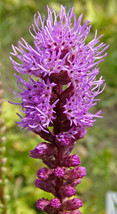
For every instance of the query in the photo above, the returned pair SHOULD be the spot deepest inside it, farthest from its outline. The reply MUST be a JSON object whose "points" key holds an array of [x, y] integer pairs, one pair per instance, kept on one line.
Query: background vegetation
{"points": [[98, 149]]}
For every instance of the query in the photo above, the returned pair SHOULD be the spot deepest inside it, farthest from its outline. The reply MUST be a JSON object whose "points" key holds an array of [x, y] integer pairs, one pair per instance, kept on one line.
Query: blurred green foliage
{"points": [[98, 149]]}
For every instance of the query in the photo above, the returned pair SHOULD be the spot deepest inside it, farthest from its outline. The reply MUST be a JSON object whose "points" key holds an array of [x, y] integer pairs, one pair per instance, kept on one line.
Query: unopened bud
{"points": [[43, 149]]}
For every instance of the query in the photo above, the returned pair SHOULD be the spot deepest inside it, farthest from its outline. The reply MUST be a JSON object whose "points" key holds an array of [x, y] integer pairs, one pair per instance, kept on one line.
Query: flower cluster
{"points": [[60, 178], [39, 111], [60, 89]]}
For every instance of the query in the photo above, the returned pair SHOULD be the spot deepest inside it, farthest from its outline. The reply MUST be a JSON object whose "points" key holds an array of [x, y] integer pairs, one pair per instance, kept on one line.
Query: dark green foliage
{"points": [[98, 149]]}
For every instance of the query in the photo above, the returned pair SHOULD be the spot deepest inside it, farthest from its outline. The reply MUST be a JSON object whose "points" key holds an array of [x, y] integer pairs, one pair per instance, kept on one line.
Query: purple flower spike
{"points": [[60, 57], [60, 88]]}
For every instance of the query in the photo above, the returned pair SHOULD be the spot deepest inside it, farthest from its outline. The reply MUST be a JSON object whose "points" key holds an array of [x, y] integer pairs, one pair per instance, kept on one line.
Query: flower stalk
{"points": [[56, 100]]}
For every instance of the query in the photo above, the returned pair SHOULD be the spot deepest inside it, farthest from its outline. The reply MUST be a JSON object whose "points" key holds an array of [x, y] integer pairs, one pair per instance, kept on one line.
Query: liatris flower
{"points": [[59, 89]]}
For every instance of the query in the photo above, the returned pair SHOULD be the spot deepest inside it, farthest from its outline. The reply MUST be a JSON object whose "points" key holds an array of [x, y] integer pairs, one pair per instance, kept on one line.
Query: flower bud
{"points": [[77, 172], [42, 203], [43, 149], [81, 171], [44, 173], [67, 191], [59, 172], [45, 185], [76, 182], [71, 161], [55, 203], [73, 204]]}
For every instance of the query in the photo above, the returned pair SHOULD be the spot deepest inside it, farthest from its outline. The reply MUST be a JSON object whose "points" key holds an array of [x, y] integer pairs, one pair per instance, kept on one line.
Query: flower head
{"points": [[66, 67]]}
